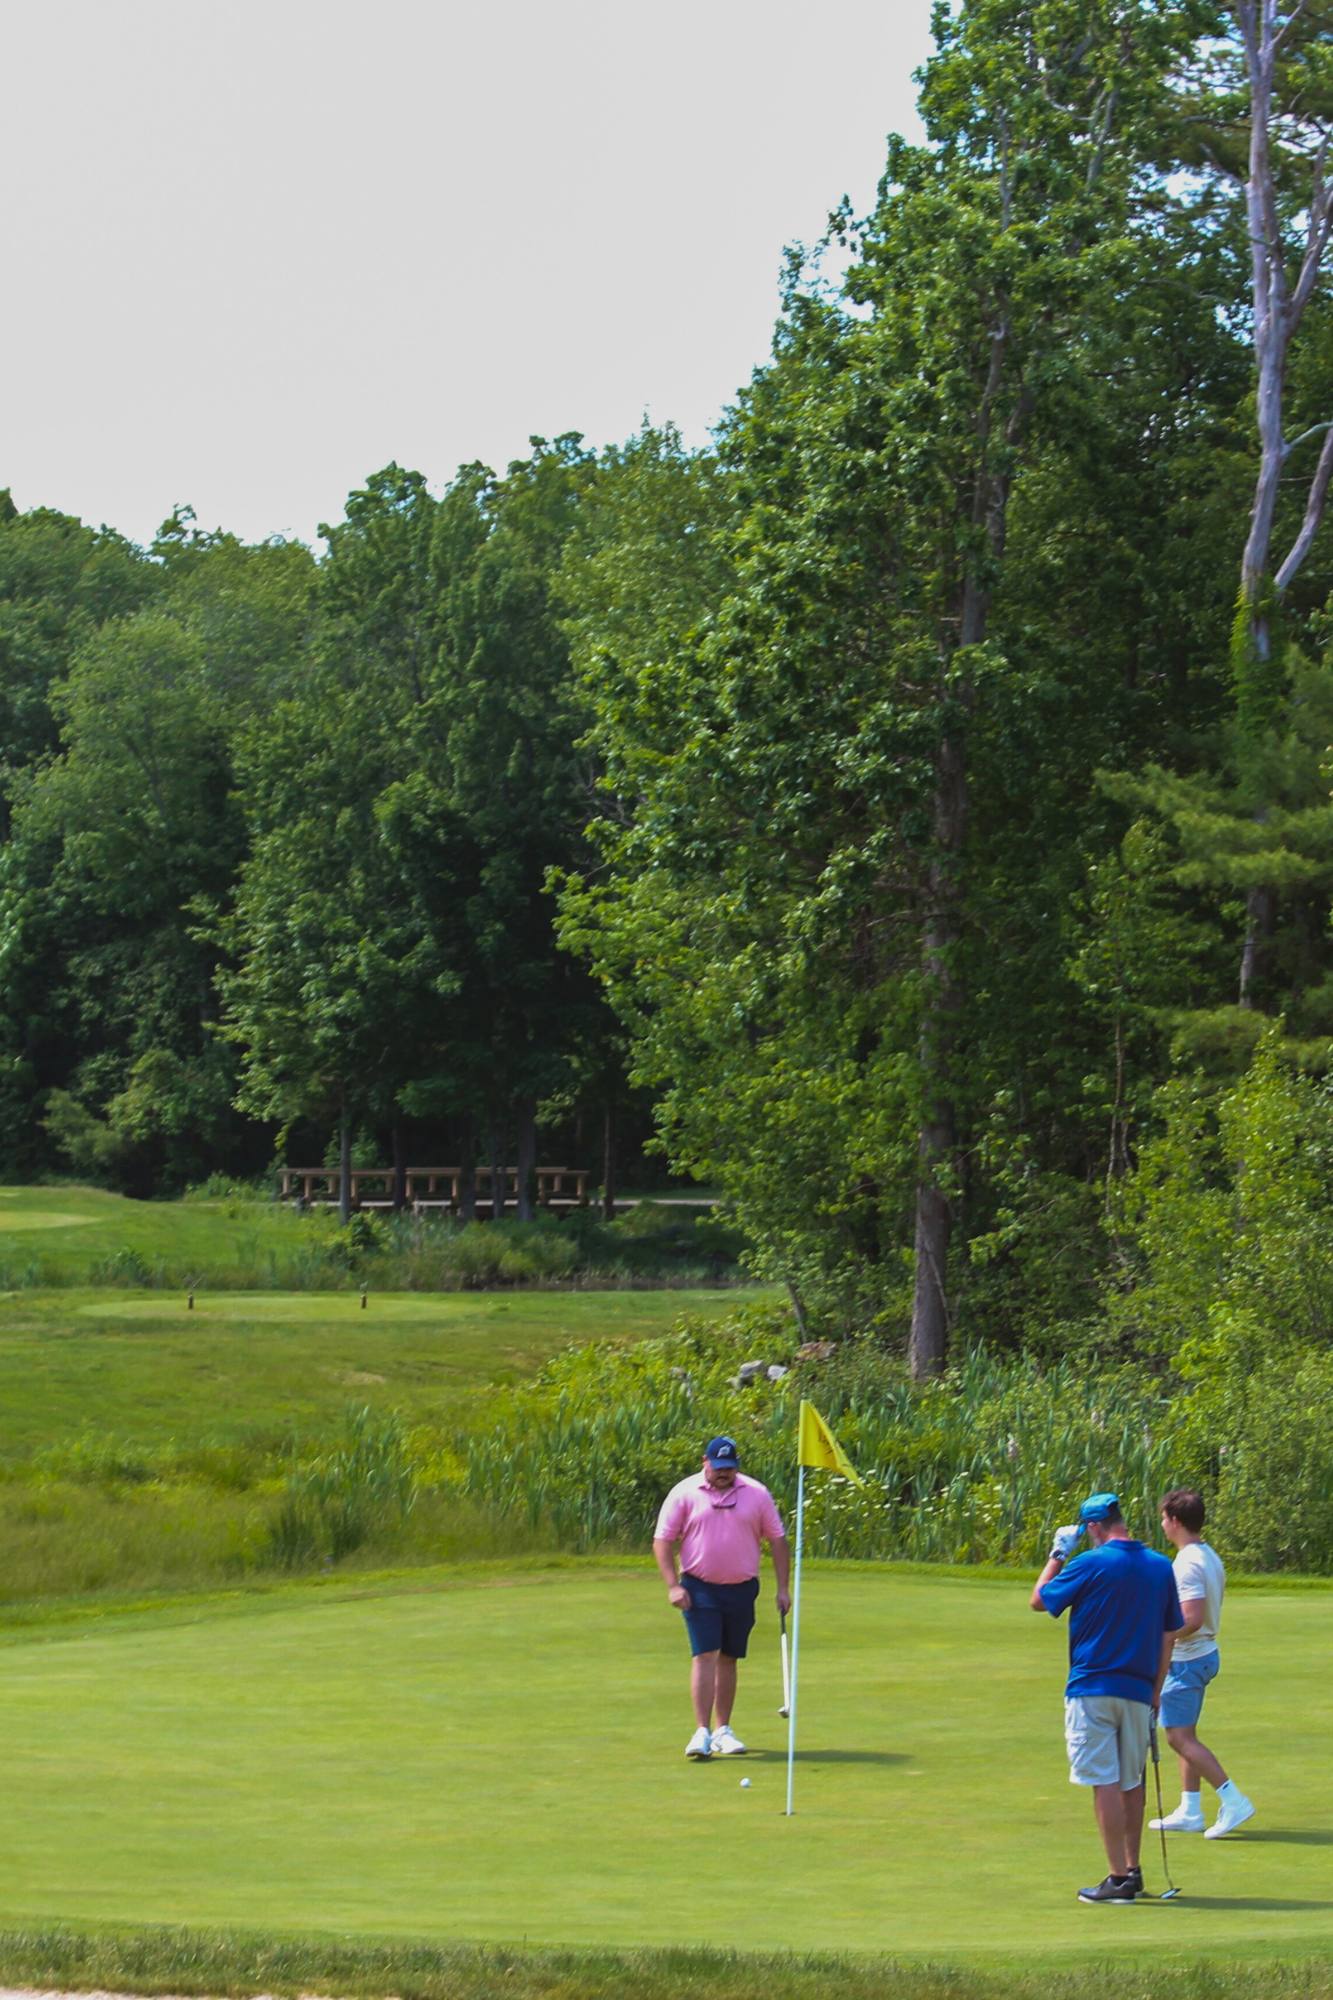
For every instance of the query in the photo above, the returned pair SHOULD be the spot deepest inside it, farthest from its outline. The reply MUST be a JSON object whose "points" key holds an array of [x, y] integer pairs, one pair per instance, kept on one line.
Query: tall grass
{"points": [[975, 1468], [194, 1962], [365, 1487]]}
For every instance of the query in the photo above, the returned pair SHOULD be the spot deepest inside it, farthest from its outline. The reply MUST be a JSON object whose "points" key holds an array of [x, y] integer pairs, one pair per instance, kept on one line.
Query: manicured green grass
{"points": [[496, 1756], [142, 1366]]}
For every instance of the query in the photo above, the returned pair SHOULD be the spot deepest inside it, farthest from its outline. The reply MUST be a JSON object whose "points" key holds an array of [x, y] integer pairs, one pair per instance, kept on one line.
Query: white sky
{"points": [[254, 249]]}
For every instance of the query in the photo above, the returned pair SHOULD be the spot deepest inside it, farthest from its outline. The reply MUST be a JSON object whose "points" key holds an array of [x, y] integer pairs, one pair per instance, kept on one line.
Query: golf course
{"points": [[485, 1752], [495, 1756]]}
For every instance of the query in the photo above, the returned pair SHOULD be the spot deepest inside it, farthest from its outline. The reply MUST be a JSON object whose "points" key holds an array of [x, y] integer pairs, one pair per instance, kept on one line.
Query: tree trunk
{"points": [[399, 1168], [344, 1165], [498, 1165], [937, 1139], [526, 1160], [467, 1172], [609, 1163], [1278, 309]]}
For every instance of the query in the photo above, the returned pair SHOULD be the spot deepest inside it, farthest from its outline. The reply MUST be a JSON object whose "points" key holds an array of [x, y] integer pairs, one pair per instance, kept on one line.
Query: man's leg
{"points": [[1133, 1807], [724, 1689], [1196, 1761], [1109, 1805], [703, 1686]]}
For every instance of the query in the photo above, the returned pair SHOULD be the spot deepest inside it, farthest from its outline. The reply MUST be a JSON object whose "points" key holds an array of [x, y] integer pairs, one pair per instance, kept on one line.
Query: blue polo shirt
{"points": [[1121, 1599]]}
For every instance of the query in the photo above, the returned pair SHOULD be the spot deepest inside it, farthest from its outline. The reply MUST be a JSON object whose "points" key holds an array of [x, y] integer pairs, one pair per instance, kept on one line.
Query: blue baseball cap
{"points": [[722, 1453], [1098, 1507]]}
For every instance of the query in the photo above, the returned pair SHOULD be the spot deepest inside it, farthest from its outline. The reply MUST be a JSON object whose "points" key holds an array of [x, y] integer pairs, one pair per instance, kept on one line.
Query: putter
{"points": [[1170, 1889], [786, 1671]]}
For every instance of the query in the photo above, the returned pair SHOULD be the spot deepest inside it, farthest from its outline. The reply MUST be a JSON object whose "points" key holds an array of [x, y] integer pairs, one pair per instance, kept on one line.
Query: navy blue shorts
{"points": [[720, 1616]]}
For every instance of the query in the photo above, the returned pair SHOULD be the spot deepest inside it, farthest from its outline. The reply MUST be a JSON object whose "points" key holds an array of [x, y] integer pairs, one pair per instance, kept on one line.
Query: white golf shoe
{"points": [[699, 1746], [726, 1743], [1231, 1813], [1180, 1821]]}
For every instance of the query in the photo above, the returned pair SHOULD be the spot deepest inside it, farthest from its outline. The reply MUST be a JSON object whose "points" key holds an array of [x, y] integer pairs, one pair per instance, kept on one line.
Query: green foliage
{"points": [[971, 1468], [365, 1485], [1262, 1438], [1228, 1209]]}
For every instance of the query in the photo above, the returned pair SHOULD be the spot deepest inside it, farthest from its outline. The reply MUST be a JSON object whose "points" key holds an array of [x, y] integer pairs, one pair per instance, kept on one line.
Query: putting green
{"points": [[500, 1758], [300, 1308]]}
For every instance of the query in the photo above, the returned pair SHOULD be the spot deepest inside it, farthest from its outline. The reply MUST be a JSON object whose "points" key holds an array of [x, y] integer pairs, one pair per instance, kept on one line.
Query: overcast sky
{"points": [[254, 249]]}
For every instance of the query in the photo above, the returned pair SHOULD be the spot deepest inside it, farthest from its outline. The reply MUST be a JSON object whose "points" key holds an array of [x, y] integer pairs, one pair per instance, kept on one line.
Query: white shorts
{"points": [[1107, 1740]]}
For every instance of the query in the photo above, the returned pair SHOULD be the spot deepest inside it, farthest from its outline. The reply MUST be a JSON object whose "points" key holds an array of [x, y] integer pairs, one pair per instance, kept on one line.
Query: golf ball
{"points": [[745, 1784]]}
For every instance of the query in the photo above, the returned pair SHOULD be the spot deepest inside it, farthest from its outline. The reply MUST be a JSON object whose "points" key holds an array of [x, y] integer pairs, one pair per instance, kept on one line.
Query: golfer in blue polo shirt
{"points": [[1123, 1617]]}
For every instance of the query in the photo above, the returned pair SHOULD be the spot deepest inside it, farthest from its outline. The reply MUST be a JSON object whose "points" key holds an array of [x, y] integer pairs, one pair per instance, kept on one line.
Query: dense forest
{"points": [[920, 799]]}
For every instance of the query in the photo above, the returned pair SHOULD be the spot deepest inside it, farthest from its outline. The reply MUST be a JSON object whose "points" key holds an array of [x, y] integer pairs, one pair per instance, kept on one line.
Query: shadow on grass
{"points": [[1305, 1837], [1243, 1902]]}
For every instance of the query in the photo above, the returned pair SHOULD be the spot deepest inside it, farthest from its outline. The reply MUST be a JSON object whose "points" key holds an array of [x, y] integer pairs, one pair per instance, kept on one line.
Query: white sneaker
{"points": [[700, 1745], [1232, 1812], [726, 1743], [1180, 1821]]}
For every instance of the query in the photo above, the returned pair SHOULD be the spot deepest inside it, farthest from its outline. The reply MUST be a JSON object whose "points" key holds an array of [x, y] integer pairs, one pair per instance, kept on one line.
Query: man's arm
{"points": [[1063, 1543], [664, 1555], [780, 1550], [1168, 1642], [1192, 1610], [1054, 1565]]}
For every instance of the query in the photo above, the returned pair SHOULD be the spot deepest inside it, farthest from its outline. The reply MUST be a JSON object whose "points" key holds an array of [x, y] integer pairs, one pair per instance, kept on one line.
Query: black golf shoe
{"points": [[1112, 1889], [1136, 1877]]}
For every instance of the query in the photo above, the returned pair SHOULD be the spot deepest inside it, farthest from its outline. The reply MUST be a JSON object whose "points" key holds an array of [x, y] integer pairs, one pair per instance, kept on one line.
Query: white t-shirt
{"points": [[1199, 1573]]}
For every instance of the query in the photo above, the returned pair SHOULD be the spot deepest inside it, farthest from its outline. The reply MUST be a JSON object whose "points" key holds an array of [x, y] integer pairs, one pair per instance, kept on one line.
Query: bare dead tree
{"points": [[1287, 256]]}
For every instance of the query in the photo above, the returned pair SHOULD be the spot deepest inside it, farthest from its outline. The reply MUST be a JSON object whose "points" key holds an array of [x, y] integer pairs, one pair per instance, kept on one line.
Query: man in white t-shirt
{"points": [[1200, 1581]]}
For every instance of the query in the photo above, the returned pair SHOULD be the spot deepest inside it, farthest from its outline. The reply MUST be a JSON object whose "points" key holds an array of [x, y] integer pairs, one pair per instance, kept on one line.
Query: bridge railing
{"points": [[427, 1188]]}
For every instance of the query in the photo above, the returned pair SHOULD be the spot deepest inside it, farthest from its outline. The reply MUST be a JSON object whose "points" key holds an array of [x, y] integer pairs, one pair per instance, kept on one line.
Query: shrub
{"points": [[974, 1468]]}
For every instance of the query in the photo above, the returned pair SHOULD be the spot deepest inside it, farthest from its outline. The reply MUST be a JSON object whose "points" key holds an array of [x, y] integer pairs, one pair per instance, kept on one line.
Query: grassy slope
{"points": [[142, 1366], [67, 1231], [497, 1756]]}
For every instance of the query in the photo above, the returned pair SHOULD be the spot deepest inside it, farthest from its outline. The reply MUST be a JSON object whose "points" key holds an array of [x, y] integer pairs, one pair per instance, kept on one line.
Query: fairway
{"points": [[144, 1366], [498, 1756]]}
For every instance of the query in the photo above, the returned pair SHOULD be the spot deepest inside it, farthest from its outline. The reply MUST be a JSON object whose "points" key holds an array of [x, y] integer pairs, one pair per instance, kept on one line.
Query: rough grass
{"points": [[147, 1446], [180, 1961]]}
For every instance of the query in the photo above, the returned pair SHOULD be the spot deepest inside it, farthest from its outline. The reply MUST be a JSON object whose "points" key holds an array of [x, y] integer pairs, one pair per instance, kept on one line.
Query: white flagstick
{"points": [[795, 1633]]}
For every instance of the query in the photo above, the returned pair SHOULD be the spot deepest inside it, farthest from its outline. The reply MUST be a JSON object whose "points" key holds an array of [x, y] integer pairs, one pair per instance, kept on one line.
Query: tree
{"points": [[127, 828], [792, 919], [1289, 213]]}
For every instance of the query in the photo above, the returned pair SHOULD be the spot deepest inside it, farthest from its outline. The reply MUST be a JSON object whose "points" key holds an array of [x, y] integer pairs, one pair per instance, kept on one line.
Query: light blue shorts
{"points": [[1184, 1687]]}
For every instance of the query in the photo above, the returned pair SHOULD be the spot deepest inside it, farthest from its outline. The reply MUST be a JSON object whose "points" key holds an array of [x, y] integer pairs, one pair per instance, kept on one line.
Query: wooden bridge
{"points": [[429, 1190]]}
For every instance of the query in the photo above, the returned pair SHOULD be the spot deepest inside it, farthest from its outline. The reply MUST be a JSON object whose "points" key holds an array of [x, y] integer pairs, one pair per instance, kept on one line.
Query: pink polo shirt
{"points": [[719, 1533]]}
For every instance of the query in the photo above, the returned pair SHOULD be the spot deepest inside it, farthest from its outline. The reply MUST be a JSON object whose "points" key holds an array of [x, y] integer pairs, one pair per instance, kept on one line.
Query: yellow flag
{"points": [[818, 1446]]}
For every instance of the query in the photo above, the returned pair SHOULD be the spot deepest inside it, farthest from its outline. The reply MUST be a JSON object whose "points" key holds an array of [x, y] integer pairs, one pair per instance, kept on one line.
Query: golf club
{"points": [[786, 1671], [1170, 1889]]}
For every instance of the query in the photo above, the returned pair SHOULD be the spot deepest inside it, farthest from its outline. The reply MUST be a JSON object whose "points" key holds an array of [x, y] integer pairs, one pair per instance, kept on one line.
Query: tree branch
{"points": [[1316, 238], [1289, 24], [1314, 514], [1315, 430]]}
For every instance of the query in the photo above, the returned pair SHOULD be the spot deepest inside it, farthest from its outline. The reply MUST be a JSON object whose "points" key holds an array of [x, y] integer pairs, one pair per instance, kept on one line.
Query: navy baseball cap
{"points": [[1098, 1507], [722, 1453]]}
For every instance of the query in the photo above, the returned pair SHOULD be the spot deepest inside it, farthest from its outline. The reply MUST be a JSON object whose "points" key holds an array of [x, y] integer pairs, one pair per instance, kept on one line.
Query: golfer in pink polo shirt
{"points": [[719, 1518]]}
